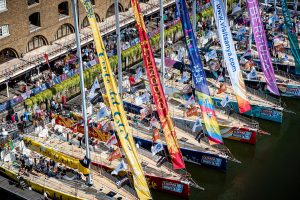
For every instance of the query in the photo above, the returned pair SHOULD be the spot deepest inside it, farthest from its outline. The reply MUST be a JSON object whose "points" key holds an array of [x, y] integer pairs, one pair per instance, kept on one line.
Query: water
{"points": [[269, 169]]}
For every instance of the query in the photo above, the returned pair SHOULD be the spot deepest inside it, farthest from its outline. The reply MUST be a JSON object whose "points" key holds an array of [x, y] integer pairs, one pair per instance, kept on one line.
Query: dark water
{"points": [[269, 169]]}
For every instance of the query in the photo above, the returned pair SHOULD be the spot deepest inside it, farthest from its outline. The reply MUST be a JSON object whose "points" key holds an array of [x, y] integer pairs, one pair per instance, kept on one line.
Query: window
{"points": [[86, 23], [64, 30], [34, 22], [111, 10], [2, 5], [32, 2], [7, 54], [93, 2], [4, 31], [36, 42], [63, 10]]}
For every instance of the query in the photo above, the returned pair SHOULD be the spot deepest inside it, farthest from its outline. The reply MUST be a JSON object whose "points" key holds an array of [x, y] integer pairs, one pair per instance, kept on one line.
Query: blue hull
{"points": [[192, 156], [262, 112]]}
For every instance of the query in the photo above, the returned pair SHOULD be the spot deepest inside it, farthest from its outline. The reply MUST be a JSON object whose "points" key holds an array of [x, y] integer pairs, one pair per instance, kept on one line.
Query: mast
{"points": [[82, 89], [162, 42], [250, 37], [195, 15], [275, 13], [118, 46]]}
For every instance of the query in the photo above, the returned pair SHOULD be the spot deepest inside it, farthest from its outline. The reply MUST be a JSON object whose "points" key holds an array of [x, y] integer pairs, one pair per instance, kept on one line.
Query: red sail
{"points": [[157, 91]]}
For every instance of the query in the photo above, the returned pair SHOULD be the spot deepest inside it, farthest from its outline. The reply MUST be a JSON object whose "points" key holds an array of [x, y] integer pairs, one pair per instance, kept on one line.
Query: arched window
{"points": [[63, 10], [93, 2], [64, 30], [34, 21], [86, 23], [111, 10], [36, 42], [7, 54]]}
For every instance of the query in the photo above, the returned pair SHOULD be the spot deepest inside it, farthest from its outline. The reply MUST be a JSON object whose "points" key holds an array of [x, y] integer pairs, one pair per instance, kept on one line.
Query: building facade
{"points": [[28, 24]]}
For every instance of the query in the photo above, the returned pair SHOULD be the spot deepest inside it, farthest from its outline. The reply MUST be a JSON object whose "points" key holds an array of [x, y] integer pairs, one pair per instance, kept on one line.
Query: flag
{"points": [[154, 122], [247, 53], [210, 55], [252, 74], [11, 144], [157, 148], [222, 88], [225, 100], [185, 77], [121, 167], [103, 112], [116, 154], [47, 59], [146, 111], [220, 78], [111, 141], [236, 9], [190, 101], [95, 86], [286, 58], [277, 40], [138, 75], [180, 54], [75, 129], [198, 123], [193, 111], [107, 126], [156, 135]]}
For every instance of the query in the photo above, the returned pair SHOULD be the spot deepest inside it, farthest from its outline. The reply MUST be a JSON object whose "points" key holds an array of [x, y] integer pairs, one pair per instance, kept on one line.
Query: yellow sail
{"points": [[56, 156], [118, 113]]}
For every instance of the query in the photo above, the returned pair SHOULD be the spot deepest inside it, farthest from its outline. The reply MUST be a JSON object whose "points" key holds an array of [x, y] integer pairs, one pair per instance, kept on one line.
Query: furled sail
{"points": [[230, 57], [199, 77], [262, 45], [118, 113], [292, 35], [56, 156], [157, 90]]}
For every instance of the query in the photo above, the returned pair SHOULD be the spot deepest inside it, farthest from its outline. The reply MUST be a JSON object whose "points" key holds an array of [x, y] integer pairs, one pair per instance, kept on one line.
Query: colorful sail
{"points": [[292, 35], [229, 55], [262, 45], [199, 77], [157, 91], [118, 113]]}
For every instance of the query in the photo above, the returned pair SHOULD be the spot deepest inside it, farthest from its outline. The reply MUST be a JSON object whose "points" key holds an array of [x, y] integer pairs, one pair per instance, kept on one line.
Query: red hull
{"points": [[245, 135]]}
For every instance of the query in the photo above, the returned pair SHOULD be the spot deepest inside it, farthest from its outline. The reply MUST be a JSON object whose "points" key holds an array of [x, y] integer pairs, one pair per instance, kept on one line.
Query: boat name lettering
{"points": [[174, 187], [209, 160], [241, 134]]}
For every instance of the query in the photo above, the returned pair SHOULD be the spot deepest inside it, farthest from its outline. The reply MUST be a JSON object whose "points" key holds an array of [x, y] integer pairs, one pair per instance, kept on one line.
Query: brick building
{"points": [[28, 24]]}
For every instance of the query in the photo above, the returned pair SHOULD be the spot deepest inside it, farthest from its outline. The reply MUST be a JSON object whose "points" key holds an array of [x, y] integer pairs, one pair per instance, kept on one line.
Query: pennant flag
{"points": [[198, 76], [121, 167], [157, 148], [193, 111], [252, 74], [95, 86], [185, 77], [230, 57], [236, 8], [116, 154], [225, 100], [154, 122], [247, 54], [180, 54], [138, 75], [197, 123], [222, 88], [111, 141], [157, 90], [11, 144], [47, 59], [262, 46], [103, 112], [190, 101], [210, 55], [156, 135]]}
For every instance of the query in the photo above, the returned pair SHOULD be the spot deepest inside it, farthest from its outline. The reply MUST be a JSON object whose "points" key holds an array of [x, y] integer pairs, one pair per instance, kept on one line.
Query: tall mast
{"points": [[250, 37], [118, 46], [82, 88], [194, 15], [162, 41]]}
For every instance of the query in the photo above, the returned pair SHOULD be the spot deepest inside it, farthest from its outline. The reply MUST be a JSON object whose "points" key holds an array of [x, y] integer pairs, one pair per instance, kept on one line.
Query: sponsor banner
{"points": [[262, 45], [230, 57], [199, 77], [209, 160], [292, 35], [157, 90], [289, 90], [240, 134], [117, 109]]}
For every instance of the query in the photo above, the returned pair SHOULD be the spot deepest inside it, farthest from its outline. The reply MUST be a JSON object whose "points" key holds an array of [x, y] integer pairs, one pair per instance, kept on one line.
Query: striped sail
{"points": [[157, 91], [230, 57], [118, 113], [199, 77]]}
